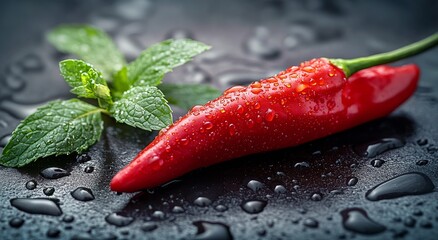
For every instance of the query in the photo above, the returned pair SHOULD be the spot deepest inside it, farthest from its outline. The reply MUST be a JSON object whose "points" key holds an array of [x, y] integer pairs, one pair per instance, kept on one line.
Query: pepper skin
{"points": [[296, 106]]}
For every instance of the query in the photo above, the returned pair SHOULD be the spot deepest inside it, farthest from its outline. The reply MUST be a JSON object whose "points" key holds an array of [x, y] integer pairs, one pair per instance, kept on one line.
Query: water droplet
{"points": [[208, 125], [310, 223], [316, 197], [269, 115], [377, 163], [156, 162], [212, 230], [426, 224], [89, 169], [302, 165], [178, 209], [149, 227], [280, 189], [16, 222], [45, 206], [31, 185], [422, 141], [261, 45], [48, 191], [53, 233], [352, 181], [410, 222], [54, 173], [254, 185], [422, 162], [254, 207], [202, 202], [118, 220], [68, 218], [413, 183], [232, 129], [83, 158], [158, 215], [82, 194], [383, 145], [357, 220], [180, 34], [221, 208]]}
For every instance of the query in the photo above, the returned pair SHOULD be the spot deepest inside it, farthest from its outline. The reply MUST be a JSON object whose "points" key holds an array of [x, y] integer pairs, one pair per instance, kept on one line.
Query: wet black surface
{"points": [[297, 193]]}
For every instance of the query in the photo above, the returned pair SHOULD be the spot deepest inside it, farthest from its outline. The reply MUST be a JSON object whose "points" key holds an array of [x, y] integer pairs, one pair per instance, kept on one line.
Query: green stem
{"points": [[350, 66]]}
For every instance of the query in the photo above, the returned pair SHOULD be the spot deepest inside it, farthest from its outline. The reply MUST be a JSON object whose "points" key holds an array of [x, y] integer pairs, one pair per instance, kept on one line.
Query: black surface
{"points": [[290, 32]]}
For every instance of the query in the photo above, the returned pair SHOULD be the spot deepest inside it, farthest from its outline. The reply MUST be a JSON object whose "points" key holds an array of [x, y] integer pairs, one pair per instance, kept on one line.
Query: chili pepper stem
{"points": [[350, 66]]}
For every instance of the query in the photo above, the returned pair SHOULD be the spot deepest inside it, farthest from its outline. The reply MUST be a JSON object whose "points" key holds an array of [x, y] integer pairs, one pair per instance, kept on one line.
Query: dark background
{"points": [[250, 40]]}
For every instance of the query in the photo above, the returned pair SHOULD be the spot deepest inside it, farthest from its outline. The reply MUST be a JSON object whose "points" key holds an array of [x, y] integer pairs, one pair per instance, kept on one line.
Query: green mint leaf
{"points": [[143, 107], [188, 95], [149, 68], [59, 127], [86, 81], [90, 44], [121, 82]]}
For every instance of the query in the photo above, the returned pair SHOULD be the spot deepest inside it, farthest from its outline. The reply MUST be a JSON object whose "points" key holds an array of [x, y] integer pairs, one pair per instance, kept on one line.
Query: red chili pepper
{"points": [[297, 105]]}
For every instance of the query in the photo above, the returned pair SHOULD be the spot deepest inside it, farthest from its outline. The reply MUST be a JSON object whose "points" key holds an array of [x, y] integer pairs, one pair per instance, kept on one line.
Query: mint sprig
{"points": [[126, 92]]}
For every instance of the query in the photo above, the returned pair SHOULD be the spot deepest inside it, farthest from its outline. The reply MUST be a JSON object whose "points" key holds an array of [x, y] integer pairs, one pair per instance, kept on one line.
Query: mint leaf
{"points": [[121, 82], [60, 127], [149, 68], [143, 107], [91, 44], [188, 95], [85, 81]]}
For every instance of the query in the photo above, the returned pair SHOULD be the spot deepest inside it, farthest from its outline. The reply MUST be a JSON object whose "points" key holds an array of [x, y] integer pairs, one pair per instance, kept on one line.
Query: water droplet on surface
{"points": [[83, 158], [422, 141], [31, 185], [254, 185], [310, 223], [254, 207], [422, 162], [158, 215], [202, 202], [68, 218], [410, 222], [352, 181], [413, 183], [357, 220], [383, 145], [221, 208], [316, 197], [82, 194], [89, 169], [180, 34], [377, 163], [269, 115], [212, 230], [53, 233], [260, 44], [45, 206], [48, 191], [178, 209], [280, 189], [118, 220], [54, 173], [149, 227], [16, 222], [302, 165]]}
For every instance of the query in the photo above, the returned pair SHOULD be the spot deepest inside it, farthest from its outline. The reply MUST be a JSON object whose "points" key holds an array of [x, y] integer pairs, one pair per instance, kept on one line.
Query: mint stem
{"points": [[350, 66]]}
